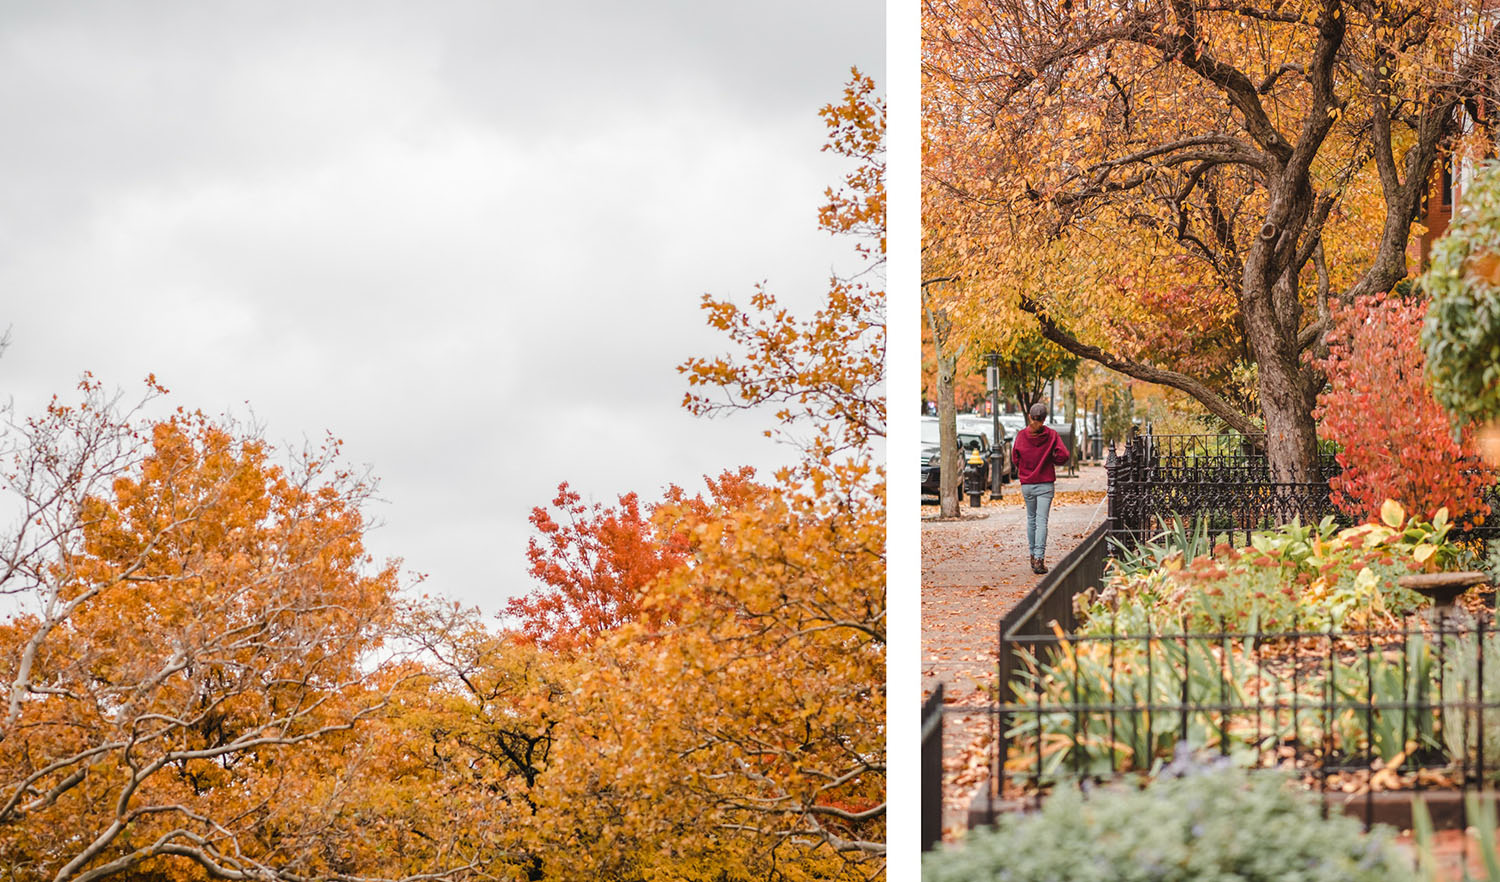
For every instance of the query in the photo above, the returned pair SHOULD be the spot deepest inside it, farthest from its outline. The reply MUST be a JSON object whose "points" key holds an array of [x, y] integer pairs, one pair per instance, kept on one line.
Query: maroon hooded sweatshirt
{"points": [[1035, 456]]}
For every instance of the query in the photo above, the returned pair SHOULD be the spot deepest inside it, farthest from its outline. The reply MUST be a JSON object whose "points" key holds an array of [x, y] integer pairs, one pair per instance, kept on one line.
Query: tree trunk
{"points": [[949, 467], [1291, 433], [1287, 392]]}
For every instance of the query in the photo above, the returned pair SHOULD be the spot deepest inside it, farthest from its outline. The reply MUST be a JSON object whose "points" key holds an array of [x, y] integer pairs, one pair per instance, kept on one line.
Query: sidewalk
{"points": [[973, 571]]}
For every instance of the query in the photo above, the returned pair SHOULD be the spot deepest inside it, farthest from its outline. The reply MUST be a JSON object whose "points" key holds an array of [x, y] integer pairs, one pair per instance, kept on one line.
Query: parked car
{"points": [[931, 458]]}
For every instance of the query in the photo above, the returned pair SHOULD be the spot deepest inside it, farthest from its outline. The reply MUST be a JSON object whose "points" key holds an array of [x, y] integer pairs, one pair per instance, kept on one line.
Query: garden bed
{"points": [[1299, 653]]}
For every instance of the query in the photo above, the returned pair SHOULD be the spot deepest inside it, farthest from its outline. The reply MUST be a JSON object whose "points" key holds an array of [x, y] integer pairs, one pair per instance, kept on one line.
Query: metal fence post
{"points": [[932, 769], [1112, 494]]}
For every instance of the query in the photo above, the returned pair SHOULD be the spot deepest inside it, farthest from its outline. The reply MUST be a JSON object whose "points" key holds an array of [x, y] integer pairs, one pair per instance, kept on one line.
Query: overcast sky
{"points": [[467, 238]]}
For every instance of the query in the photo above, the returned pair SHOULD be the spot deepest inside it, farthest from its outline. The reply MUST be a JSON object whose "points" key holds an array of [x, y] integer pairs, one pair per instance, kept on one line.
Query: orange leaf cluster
{"points": [[186, 654], [824, 372]]}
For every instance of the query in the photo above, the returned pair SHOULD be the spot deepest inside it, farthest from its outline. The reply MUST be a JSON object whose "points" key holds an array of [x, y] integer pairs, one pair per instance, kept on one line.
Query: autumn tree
{"points": [[948, 347], [1273, 156], [968, 385], [592, 563], [696, 689], [826, 372], [745, 699], [755, 720], [186, 653], [780, 715], [1026, 363]]}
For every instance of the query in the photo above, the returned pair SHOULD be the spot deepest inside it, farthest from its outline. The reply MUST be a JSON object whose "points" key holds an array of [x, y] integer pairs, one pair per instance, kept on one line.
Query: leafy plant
{"points": [[1381, 705], [1089, 709], [1375, 365], [1208, 822], [1461, 333], [1313, 576], [1179, 540], [1482, 813], [1101, 706]]}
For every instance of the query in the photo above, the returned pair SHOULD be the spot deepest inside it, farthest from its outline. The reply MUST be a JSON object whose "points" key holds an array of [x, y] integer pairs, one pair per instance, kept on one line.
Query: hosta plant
{"points": [[1302, 577], [1466, 680]]}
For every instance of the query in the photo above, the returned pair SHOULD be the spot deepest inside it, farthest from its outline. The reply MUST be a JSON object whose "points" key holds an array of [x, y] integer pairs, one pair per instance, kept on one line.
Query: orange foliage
{"points": [[826, 371], [186, 657]]}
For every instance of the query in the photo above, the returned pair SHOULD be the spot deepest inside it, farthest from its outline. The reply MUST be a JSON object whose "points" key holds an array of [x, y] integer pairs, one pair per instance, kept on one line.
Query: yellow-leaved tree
{"points": [[187, 656], [208, 678], [752, 709]]}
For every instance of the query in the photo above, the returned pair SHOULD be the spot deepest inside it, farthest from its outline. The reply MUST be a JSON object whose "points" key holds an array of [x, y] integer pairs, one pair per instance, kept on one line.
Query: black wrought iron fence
{"points": [[1367, 718], [1222, 484]]}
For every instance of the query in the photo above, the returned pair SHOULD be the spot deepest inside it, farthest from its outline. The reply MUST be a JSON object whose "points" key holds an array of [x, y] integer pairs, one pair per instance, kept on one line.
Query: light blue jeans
{"points": [[1038, 505]]}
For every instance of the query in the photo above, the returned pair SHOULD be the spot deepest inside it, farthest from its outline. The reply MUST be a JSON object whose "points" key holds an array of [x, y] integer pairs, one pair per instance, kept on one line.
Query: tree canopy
{"points": [[1177, 189]]}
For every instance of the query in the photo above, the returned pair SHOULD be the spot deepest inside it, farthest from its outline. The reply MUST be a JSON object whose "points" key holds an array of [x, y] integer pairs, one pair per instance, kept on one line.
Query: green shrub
{"points": [[1462, 331], [1366, 706], [1095, 675], [1315, 577], [1213, 823]]}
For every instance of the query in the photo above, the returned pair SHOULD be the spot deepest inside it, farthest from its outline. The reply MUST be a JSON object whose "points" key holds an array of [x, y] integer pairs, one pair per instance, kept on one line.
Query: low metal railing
{"points": [[932, 769]]}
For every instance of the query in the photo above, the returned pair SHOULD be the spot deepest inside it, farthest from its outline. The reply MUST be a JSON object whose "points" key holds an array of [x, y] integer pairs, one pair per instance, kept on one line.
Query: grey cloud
{"points": [[468, 238]]}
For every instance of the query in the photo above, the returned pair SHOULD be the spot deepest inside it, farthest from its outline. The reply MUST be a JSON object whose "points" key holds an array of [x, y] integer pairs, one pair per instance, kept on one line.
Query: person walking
{"points": [[1035, 452]]}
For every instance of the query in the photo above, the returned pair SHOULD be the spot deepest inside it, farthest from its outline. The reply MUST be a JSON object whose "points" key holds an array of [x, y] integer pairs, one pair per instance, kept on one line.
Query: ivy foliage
{"points": [[1462, 331]]}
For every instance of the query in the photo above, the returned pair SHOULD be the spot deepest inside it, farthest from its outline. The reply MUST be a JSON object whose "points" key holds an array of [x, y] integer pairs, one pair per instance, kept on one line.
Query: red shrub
{"points": [[1397, 441]]}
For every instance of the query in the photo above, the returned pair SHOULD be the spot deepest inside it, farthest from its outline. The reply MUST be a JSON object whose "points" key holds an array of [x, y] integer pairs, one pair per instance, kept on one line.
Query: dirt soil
{"points": [[974, 569]]}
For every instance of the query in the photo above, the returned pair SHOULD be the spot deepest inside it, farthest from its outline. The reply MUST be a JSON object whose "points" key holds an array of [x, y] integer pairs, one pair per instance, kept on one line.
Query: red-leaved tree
{"points": [[1397, 441], [594, 561]]}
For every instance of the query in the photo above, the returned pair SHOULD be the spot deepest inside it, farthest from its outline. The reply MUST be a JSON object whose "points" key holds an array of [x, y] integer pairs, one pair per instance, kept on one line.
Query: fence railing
{"points": [[1222, 484], [932, 769], [1050, 601], [1340, 710], [1366, 718]]}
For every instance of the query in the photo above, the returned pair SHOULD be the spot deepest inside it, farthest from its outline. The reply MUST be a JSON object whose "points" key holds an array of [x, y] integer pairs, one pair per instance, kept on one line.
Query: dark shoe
{"points": [[1036, 565]]}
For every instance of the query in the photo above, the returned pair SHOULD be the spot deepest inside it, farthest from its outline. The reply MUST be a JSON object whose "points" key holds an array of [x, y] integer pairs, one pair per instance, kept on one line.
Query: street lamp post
{"points": [[997, 441]]}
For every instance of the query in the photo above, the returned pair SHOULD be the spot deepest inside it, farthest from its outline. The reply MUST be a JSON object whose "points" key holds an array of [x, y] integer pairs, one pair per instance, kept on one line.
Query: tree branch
{"points": [[1210, 399]]}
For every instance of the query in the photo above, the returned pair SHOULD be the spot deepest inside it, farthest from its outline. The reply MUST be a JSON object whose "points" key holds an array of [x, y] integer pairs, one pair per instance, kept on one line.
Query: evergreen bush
{"points": [[1210, 823]]}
